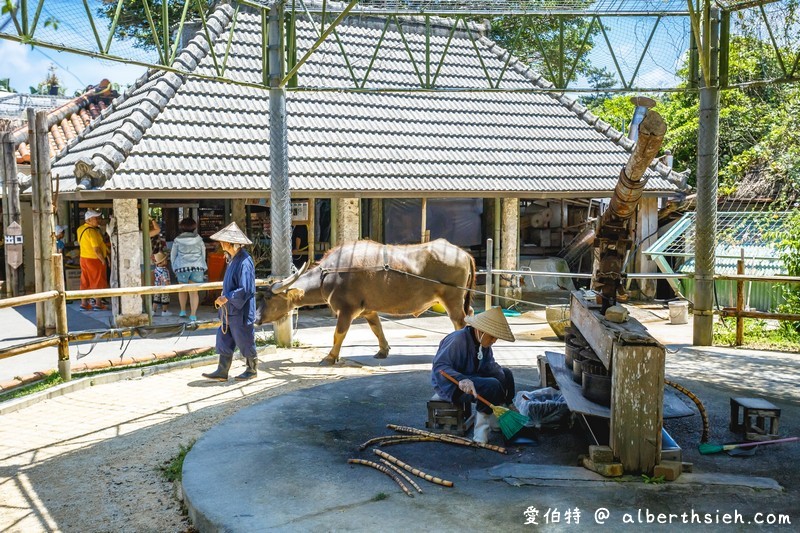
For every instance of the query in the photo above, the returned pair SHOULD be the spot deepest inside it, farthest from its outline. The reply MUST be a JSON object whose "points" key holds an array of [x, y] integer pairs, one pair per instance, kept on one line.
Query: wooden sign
{"points": [[14, 245]]}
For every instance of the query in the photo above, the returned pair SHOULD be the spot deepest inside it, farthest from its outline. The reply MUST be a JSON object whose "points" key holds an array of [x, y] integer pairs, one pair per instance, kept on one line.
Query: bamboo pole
{"points": [[147, 250], [38, 283], [27, 299], [18, 349], [62, 328], [47, 228], [740, 301], [10, 202]]}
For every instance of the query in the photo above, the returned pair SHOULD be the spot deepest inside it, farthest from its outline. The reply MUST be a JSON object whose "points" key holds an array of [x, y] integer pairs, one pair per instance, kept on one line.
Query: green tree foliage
{"points": [[759, 125], [537, 41], [789, 246], [133, 21]]}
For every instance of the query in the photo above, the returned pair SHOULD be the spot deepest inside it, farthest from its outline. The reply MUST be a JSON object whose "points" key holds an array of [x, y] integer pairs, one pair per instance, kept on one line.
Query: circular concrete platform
{"points": [[281, 465]]}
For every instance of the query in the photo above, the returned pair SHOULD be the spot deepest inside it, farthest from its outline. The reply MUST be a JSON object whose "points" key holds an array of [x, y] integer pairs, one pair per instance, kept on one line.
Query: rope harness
{"points": [[224, 321]]}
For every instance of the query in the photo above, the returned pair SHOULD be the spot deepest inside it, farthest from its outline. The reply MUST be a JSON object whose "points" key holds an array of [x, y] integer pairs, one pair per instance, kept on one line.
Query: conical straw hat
{"points": [[232, 234], [492, 322]]}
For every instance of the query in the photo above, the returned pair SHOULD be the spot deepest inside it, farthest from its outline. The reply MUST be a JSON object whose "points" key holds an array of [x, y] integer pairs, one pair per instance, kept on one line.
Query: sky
{"points": [[27, 66]]}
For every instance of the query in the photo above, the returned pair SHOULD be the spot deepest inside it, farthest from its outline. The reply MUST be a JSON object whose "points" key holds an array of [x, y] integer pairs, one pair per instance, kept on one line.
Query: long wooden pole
{"points": [[62, 329], [6, 173], [36, 181], [46, 226], [14, 276], [147, 250]]}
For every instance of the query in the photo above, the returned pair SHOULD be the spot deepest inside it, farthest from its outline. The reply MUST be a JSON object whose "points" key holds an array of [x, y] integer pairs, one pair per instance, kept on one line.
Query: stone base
{"points": [[506, 293], [129, 321]]}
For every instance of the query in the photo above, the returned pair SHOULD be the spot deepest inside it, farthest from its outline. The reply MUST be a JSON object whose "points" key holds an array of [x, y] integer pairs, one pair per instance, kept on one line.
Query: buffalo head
{"points": [[277, 300]]}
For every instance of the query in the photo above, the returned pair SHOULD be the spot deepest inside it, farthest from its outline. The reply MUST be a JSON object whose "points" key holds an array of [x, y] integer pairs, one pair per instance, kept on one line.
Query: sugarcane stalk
{"points": [[403, 474], [413, 438], [416, 471], [383, 469], [451, 439], [379, 440]]}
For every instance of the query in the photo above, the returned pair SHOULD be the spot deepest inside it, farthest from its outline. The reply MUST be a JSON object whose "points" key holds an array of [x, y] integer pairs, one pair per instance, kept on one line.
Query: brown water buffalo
{"points": [[364, 278]]}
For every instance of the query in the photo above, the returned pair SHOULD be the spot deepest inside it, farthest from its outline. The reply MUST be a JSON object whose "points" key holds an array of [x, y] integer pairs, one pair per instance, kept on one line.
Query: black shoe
{"points": [[247, 374], [217, 375]]}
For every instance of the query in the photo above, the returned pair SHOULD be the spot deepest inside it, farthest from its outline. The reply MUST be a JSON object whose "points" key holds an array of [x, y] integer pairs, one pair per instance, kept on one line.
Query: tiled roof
{"points": [[67, 121], [179, 133]]}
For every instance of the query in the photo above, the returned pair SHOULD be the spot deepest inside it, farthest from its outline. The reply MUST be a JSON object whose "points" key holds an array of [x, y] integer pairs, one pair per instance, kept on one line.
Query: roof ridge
{"points": [[576, 106], [94, 171]]}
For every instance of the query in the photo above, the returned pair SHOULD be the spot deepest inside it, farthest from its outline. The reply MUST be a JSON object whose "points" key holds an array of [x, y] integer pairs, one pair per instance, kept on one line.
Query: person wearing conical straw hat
{"points": [[236, 305], [466, 355]]}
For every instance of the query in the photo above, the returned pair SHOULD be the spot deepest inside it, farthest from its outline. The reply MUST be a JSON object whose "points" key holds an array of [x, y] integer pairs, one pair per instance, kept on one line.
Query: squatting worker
{"points": [[236, 305], [466, 354], [94, 257]]}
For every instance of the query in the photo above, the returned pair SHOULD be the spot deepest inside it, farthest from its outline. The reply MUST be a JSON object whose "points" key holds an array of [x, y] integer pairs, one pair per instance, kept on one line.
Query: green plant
{"points": [[380, 496], [172, 469], [653, 480], [758, 334], [50, 381]]}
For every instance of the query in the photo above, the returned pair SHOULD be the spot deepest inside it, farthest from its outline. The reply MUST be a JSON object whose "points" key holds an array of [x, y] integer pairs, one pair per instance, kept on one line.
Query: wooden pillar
{"points": [[11, 208], [348, 223], [637, 364], [312, 240], [637, 405], [239, 213], [62, 329], [646, 235], [147, 250], [424, 236], [129, 263], [509, 249], [376, 220], [43, 227]]}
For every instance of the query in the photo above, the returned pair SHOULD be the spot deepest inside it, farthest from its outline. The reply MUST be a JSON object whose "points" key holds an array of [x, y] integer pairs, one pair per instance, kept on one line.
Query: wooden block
{"points": [[671, 470], [687, 468], [601, 454], [546, 378], [604, 469]]}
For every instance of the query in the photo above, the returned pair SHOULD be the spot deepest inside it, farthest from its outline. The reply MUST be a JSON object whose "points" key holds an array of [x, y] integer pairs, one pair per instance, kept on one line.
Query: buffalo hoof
{"points": [[328, 361], [381, 355]]}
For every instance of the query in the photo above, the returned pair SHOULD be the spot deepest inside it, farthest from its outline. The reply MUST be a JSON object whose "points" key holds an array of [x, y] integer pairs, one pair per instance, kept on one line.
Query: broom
{"points": [[510, 421], [707, 448]]}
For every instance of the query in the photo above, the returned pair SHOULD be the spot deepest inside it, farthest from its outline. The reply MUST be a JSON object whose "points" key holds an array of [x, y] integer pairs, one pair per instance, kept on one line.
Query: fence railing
{"points": [[62, 336], [60, 296]]}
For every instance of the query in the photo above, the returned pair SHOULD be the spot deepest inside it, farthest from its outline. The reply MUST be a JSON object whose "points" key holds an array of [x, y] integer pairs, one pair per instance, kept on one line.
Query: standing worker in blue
{"points": [[236, 304]]}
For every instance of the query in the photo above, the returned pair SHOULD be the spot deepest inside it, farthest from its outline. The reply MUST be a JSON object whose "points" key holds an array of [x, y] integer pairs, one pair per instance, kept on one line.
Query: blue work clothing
{"points": [[458, 356], [239, 312]]}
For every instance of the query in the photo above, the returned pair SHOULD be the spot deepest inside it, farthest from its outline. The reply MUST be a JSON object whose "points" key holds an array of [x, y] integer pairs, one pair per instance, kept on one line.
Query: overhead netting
{"points": [[624, 45], [768, 35]]}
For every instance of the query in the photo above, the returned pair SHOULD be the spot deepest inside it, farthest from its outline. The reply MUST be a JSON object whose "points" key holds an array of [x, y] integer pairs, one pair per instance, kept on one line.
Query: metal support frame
{"points": [[707, 180], [21, 24]]}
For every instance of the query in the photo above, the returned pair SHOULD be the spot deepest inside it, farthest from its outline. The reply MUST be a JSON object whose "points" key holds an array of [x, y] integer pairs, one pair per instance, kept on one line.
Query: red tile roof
{"points": [[68, 121]]}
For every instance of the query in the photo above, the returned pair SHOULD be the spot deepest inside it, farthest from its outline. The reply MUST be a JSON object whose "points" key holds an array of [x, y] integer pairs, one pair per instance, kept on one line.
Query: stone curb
{"points": [[8, 386], [113, 377]]}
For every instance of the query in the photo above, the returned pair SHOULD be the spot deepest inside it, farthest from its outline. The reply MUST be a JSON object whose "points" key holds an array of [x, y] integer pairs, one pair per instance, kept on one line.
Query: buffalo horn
{"points": [[284, 285]]}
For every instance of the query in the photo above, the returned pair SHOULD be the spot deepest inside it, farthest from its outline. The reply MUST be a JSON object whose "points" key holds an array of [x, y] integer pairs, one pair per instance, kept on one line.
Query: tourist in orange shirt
{"points": [[94, 257]]}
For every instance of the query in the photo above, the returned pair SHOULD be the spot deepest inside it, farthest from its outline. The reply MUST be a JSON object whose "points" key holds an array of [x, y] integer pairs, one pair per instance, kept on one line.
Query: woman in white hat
{"points": [[236, 304], [467, 356]]}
